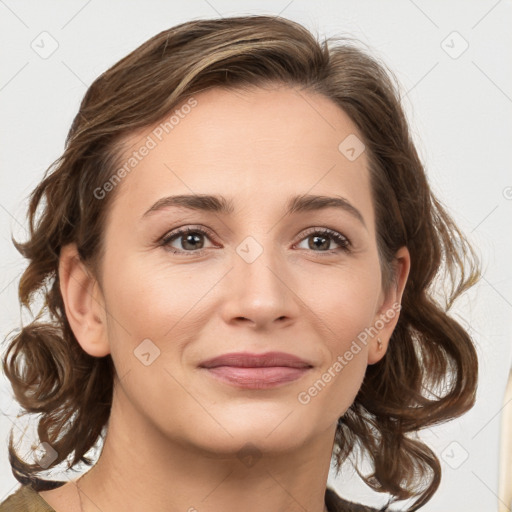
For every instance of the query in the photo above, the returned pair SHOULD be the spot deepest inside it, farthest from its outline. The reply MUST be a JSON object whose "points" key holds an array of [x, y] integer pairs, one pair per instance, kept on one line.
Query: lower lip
{"points": [[257, 378]]}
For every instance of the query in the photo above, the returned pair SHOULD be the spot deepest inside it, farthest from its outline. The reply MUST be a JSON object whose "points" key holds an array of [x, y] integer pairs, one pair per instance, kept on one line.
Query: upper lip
{"points": [[248, 360]]}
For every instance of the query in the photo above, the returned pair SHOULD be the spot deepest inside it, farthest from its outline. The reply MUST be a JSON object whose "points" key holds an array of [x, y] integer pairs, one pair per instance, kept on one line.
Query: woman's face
{"points": [[251, 278]]}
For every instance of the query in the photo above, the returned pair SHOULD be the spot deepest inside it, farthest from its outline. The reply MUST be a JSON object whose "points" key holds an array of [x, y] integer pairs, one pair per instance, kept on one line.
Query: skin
{"points": [[175, 432]]}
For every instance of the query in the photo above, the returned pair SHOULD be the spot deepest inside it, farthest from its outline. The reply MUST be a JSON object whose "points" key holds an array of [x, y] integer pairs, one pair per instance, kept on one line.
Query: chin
{"points": [[265, 435]]}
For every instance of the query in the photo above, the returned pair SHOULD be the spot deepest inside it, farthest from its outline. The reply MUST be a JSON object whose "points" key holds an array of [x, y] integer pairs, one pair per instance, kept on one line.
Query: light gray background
{"points": [[459, 105]]}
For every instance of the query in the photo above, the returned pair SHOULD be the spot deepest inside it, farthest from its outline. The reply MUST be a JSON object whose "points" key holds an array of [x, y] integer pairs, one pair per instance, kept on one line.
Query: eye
{"points": [[322, 239], [189, 240]]}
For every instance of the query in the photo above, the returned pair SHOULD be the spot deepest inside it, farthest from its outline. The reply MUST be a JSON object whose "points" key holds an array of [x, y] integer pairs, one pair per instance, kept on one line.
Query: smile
{"points": [[256, 371]]}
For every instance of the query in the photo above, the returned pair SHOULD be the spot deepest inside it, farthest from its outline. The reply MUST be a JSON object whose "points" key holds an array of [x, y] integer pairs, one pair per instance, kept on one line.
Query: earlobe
{"points": [[389, 310], [83, 303], [378, 349]]}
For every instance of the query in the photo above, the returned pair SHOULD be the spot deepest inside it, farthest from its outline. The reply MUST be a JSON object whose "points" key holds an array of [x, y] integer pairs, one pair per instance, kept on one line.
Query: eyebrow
{"points": [[221, 205]]}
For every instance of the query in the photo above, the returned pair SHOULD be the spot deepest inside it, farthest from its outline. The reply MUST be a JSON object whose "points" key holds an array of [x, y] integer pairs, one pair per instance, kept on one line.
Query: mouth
{"points": [[256, 371]]}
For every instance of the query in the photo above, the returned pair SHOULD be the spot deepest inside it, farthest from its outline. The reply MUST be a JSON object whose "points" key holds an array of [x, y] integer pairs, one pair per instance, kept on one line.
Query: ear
{"points": [[83, 303], [388, 312]]}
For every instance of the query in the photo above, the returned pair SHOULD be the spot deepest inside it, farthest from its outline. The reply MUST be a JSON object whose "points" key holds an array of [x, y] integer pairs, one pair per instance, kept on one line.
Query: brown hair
{"points": [[429, 373]]}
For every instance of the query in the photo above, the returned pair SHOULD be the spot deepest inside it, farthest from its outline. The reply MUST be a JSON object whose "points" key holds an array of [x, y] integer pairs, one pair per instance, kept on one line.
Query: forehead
{"points": [[252, 144]]}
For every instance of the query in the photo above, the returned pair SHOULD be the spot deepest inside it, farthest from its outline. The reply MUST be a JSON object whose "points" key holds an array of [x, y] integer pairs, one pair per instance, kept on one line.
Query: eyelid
{"points": [[195, 228]]}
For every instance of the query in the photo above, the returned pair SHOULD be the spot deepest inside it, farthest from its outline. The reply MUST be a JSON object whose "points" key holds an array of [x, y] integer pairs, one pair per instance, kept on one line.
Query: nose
{"points": [[260, 293]]}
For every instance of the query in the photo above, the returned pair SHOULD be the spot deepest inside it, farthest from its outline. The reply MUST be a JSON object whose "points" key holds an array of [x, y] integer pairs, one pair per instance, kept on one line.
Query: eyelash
{"points": [[341, 240]]}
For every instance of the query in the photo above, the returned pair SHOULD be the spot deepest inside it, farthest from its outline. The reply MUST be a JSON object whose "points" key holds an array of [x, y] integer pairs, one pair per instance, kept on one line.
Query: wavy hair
{"points": [[429, 373]]}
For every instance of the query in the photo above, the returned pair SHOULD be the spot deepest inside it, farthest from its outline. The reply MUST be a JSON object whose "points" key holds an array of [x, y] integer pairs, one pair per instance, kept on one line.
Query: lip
{"points": [[256, 371], [249, 360]]}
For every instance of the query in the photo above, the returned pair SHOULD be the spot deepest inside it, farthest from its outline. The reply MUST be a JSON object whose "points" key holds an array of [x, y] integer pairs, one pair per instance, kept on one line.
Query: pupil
{"points": [[323, 242], [192, 239]]}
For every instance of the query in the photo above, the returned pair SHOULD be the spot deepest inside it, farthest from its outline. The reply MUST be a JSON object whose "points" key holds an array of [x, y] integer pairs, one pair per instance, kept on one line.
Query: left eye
{"points": [[322, 238]]}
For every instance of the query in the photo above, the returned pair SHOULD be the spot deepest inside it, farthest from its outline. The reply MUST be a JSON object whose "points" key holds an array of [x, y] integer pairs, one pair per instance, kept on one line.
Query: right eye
{"points": [[191, 240]]}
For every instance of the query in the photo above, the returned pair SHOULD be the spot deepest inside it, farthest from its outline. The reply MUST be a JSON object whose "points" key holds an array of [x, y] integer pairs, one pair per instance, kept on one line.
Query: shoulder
{"points": [[336, 504], [27, 499]]}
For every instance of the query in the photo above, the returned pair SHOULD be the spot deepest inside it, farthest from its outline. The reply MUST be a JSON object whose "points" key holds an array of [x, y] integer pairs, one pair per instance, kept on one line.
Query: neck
{"points": [[140, 469]]}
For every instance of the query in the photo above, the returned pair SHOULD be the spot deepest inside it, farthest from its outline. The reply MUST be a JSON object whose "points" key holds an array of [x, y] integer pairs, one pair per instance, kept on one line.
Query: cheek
{"points": [[341, 375], [148, 299], [345, 306], [145, 296], [344, 299], [148, 305]]}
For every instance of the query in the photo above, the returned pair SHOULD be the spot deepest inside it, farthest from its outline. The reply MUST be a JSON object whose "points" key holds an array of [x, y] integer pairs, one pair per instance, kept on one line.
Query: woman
{"points": [[237, 249]]}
